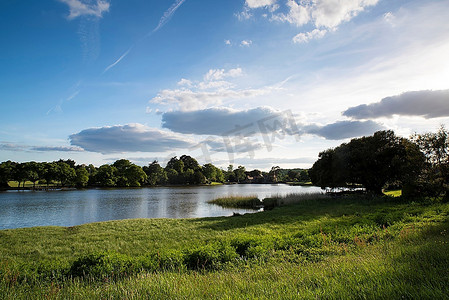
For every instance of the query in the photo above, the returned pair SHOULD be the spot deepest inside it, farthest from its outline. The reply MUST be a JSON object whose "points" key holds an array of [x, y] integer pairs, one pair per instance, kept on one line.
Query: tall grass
{"points": [[289, 199], [238, 202]]}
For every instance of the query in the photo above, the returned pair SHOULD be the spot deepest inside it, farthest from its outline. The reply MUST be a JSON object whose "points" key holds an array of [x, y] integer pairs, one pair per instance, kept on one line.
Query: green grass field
{"points": [[338, 248]]}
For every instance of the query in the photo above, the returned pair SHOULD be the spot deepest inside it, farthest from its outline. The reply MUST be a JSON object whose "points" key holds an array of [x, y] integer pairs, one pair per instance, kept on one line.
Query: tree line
{"points": [[184, 170], [418, 165]]}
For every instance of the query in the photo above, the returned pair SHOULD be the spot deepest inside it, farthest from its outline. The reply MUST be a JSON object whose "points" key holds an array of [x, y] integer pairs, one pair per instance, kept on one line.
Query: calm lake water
{"points": [[68, 208]]}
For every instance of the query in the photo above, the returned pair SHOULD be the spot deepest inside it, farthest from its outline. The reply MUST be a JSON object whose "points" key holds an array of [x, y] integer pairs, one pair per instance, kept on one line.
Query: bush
{"points": [[210, 256], [101, 265]]}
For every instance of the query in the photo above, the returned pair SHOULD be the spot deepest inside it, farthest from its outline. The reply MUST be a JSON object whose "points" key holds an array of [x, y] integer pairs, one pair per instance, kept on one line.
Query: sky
{"points": [[243, 82]]}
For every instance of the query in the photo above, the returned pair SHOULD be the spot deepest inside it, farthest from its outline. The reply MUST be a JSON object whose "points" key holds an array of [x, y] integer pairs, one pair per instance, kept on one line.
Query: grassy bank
{"points": [[326, 248]]}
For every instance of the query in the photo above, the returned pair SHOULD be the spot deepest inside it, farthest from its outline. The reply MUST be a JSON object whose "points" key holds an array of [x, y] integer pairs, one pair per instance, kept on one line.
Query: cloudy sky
{"points": [[252, 82]]}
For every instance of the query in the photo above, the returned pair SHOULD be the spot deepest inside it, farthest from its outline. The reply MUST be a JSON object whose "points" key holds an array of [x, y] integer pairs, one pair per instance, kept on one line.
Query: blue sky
{"points": [[255, 82]]}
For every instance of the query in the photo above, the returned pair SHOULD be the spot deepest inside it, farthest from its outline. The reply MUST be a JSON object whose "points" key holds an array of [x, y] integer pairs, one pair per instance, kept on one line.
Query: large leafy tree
{"points": [[155, 173], [82, 177], [6, 173], [33, 171], [212, 173], [129, 174], [435, 176], [106, 175], [66, 174], [371, 161]]}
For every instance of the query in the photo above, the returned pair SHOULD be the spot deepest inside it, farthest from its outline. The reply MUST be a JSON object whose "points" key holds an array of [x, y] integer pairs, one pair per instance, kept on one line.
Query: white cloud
{"points": [[244, 15], [187, 99], [259, 3], [227, 42], [128, 138], [246, 43], [80, 8], [219, 74], [306, 37], [298, 14], [211, 91], [185, 82], [331, 13], [323, 15]]}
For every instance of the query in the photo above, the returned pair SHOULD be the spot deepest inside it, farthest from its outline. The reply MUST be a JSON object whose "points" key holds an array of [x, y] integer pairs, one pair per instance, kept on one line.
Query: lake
{"points": [[74, 207]]}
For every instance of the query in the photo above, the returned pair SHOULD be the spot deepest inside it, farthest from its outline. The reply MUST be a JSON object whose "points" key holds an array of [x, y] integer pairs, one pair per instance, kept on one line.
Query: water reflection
{"points": [[69, 208]]}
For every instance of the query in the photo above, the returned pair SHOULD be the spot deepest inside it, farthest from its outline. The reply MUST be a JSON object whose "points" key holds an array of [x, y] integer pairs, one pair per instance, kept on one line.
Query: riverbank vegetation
{"points": [[122, 173], [348, 247], [253, 202], [238, 202]]}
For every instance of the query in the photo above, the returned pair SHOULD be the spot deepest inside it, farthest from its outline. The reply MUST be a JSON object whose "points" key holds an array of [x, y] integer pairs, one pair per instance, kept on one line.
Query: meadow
{"points": [[348, 247]]}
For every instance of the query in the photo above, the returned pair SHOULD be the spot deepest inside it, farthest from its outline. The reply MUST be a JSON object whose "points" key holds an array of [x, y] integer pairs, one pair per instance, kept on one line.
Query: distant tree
{"points": [[135, 175], [65, 173], [19, 174], [128, 174], [175, 164], [70, 162], [229, 174], [155, 173], [273, 174], [190, 163], [303, 176], [106, 176], [50, 172], [212, 173], [239, 173], [32, 171], [82, 177], [198, 177], [172, 175], [6, 173], [293, 175], [435, 175], [187, 177], [92, 173]]}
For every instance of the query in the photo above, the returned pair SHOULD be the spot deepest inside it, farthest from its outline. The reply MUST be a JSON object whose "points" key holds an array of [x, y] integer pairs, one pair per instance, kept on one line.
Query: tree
{"points": [[32, 171], [19, 174], [190, 163], [303, 176], [155, 173], [212, 173], [435, 175], [106, 176], [135, 175], [239, 173], [50, 172], [230, 175], [6, 173], [371, 161], [175, 164], [128, 174], [82, 177], [273, 174], [65, 173], [172, 175]]}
